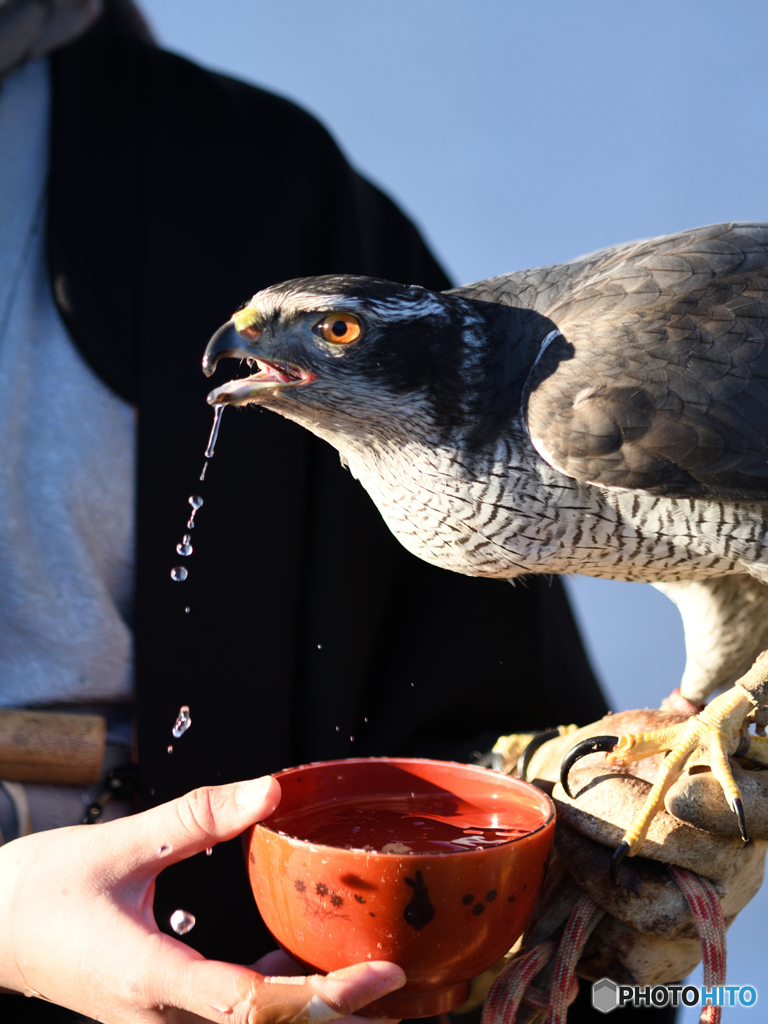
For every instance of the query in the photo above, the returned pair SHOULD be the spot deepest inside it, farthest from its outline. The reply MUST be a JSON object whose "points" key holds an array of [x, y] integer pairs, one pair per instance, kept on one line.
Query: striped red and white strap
{"points": [[708, 914], [515, 983]]}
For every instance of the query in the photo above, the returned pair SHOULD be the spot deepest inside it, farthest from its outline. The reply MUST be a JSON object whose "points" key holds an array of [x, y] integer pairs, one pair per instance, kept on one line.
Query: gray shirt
{"points": [[67, 456]]}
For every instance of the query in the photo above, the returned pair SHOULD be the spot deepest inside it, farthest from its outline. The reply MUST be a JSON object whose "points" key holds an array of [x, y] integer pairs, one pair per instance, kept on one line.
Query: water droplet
{"points": [[187, 610], [203, 471], [179, 573], [182, 921], [183, 722], [319, 647], [365, 719], [195, 501], [170, 748], [209, 851], [184, 549], [191, 523], [351, 739], [164, 850], [338, 728], [217, 412]]}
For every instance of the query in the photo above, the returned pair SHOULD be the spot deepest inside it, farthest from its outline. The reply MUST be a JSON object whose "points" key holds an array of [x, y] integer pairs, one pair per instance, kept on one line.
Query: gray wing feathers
{"points": [[659, 381]]}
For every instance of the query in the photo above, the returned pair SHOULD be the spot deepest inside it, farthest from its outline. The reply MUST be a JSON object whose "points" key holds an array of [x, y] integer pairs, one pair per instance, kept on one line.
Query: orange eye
{"points": [[339, 328], [251, 332]]}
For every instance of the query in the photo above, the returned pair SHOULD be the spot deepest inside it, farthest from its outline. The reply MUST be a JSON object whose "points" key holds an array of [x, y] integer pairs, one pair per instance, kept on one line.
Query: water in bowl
{"points": [[422, 823]]}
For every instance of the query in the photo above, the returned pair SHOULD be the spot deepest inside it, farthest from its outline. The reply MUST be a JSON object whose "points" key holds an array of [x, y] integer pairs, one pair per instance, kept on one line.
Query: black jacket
{"points": [[175, 194]]}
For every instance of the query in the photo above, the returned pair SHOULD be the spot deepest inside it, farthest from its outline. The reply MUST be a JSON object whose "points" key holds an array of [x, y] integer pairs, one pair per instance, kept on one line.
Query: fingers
{"points": [[237, 995], [198, 820], [352, 988]]}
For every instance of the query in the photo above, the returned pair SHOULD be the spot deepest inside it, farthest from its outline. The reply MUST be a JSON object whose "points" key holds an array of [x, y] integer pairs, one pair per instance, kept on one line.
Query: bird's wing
{"points": [[659, 379]]}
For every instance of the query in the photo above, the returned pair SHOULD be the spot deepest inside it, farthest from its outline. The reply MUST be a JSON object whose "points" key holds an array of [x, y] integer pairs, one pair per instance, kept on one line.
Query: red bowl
{"points": [[468, 851]]}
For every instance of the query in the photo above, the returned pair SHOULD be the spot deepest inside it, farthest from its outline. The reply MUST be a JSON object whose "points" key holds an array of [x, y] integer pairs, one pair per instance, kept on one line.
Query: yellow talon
{"points": [[708, 738]]}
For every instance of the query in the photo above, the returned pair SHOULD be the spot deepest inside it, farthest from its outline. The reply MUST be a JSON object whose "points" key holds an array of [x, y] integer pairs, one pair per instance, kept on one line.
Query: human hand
{"points": [[77, 928]]}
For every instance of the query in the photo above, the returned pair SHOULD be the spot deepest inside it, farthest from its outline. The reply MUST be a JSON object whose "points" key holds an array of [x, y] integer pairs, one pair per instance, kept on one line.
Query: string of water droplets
{"points": [[179, 573], [182, 921]]}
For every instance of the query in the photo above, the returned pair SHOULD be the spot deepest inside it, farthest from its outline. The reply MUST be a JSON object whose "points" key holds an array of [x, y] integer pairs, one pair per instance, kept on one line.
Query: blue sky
{"points": [[519, 134]]}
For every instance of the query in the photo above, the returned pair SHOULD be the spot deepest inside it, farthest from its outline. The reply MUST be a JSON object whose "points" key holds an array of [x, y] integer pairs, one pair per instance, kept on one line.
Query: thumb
{"points": [[225, 992], [199, 819]]}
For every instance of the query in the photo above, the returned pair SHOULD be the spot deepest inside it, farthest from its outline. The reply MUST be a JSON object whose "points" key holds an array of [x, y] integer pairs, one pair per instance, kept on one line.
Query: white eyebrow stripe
{"points": [[279, 301], [309, 302]]}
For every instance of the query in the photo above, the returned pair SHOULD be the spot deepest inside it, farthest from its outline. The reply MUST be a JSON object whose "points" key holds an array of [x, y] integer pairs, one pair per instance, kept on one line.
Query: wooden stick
{"points": [[51, 747]]}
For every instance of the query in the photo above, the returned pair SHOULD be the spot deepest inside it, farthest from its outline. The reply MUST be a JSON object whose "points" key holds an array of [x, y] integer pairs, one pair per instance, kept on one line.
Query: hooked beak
{"points": [[225, 344], [272, 375]]}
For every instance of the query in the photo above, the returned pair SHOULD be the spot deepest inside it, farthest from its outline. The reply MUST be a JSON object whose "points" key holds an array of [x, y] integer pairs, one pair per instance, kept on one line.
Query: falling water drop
{"points": [[187, 610], [214, 431], [197, 503], [185, 548], [183, 722], [209, 851], [182, 921], [170, 748], [203, 471], [179, 573]]}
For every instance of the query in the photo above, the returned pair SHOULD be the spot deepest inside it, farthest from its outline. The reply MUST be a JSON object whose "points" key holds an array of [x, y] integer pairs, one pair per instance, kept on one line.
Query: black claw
{"points": [[604, 743], [619, 854], [738, 809], [525, 757]]}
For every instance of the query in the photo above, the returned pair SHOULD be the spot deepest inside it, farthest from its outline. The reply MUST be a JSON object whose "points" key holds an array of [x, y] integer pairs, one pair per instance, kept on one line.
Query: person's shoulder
{"points": [[171, 81]]}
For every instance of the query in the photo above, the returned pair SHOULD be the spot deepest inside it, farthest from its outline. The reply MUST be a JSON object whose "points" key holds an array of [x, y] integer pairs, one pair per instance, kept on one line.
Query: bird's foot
{"points": [[709, 738]]}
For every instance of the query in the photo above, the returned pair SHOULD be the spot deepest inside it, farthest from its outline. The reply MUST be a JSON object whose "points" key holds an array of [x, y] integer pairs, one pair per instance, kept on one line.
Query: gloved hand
{"points": [[648, 935]]}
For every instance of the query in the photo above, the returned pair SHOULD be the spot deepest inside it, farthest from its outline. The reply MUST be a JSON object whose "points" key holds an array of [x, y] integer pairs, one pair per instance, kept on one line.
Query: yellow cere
{"points": [[246, 320]]}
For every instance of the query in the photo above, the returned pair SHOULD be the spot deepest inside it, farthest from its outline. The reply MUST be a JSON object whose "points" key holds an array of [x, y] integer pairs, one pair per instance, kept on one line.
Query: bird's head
{"points": [[347, 356]]}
